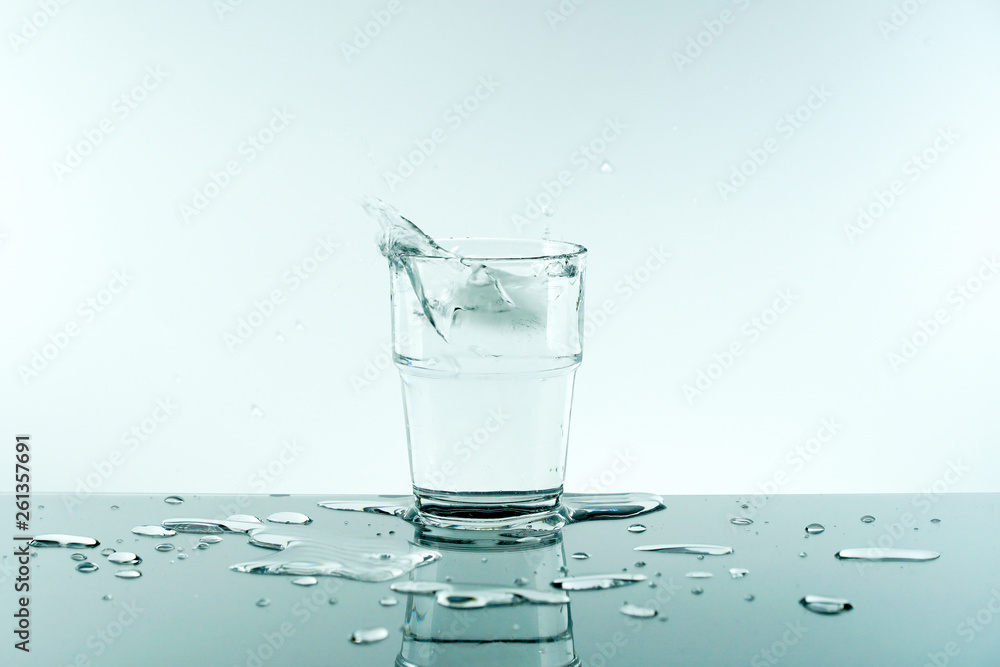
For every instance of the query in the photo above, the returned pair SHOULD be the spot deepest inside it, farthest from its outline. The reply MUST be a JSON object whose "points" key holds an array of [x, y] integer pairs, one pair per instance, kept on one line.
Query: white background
{"points": [[694, 94]]}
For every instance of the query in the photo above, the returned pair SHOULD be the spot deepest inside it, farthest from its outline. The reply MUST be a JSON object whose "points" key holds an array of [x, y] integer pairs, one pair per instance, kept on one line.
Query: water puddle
{"points": [[65, 541], [698, 549], [823, 605], [876, 554], [596, 582]]}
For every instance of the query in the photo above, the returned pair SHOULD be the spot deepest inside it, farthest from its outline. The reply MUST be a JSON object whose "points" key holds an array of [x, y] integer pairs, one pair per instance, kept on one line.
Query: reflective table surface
{"points": [[389, 591]]}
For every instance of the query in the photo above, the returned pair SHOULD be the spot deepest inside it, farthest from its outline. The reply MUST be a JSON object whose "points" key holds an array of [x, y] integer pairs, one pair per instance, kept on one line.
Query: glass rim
{"points": [[571, 249]]}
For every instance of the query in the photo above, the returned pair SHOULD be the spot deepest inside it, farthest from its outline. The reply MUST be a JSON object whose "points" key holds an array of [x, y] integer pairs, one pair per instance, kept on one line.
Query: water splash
{"points": [[595, 582], [823, 605], [698, 549], [877, 554]]}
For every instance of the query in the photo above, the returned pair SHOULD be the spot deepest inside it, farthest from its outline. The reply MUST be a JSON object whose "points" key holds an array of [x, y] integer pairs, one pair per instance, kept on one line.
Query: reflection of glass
{"points": [[524, 634], [487, 341]]}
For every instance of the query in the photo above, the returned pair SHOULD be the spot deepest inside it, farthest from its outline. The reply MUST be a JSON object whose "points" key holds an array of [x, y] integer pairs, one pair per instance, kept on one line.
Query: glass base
{"points": [[522, 511]]}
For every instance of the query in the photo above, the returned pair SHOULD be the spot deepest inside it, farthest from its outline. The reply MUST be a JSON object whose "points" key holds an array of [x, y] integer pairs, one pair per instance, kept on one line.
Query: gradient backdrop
{"points": [[791, 211]]}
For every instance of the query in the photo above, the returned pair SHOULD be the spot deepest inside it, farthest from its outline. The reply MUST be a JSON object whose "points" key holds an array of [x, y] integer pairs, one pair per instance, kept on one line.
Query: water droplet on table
{"points": [[263, 602], [107, 552], [802, 554], [868, 518], [699, 575], [369, 635], [596, 582], [182, 556], [211, 539], [815, 528], [86, 566], [738, 572], [154, 531], [697, 590], [637, 611], [108, 597], [65, 541], [305, 581], [640, 563], [78, 557], [824, 605], [201, 546], [114, 508], [636, 528], [388, 602], [296, 518], [173, 500], [741, 521], [877, 554], [935, 520], [124, 558], [580, 555], [749, 597], [164, 547], [700, 549], [128, 574], [606, 167], [520, 581]]}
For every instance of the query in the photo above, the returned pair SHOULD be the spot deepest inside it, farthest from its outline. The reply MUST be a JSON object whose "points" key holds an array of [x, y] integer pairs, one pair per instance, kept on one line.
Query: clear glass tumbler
{"points": [[487, 344]]}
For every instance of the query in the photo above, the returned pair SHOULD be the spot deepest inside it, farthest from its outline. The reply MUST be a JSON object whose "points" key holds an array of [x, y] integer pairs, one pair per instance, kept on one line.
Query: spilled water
{"points": [[823, 605], [698, 549], [65, 541], [597, 582], [876, 554]]}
